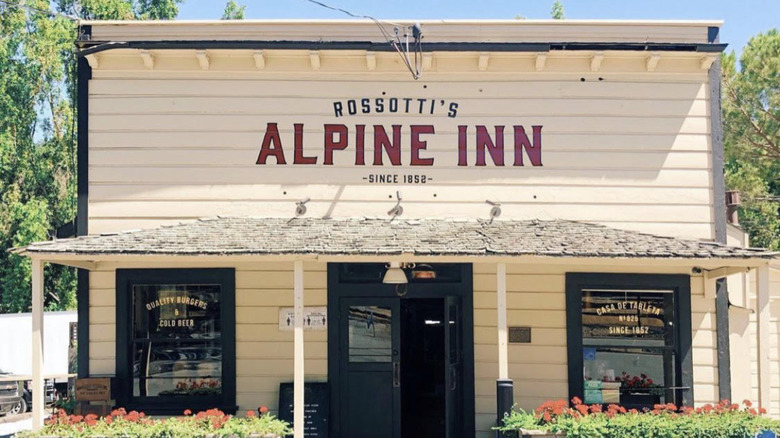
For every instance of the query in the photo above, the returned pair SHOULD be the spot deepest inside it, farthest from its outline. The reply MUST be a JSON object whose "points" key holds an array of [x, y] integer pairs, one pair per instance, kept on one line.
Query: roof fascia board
{"points": [[91, 47], [353, 22]]}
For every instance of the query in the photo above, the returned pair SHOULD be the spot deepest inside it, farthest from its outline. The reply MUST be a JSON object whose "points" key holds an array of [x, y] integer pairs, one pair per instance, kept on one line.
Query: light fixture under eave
{"points": [[395, 275]]}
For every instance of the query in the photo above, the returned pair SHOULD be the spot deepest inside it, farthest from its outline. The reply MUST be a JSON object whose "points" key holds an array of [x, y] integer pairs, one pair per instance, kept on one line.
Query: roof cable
{"points": [[401, 44]]}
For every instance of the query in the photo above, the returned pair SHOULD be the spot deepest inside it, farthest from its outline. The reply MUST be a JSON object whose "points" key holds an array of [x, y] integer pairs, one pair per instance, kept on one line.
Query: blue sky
{"points": [[743, 18]]}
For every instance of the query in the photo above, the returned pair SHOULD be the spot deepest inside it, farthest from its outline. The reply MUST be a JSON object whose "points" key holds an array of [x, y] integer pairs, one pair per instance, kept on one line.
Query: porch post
{"points": [[762, 334], [504, 387], [37, 344], [503, 363], [298, 379]]}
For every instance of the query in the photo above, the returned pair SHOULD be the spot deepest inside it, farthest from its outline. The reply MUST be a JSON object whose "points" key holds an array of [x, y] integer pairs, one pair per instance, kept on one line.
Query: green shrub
{"points": [[122, 424], [724, 420]]}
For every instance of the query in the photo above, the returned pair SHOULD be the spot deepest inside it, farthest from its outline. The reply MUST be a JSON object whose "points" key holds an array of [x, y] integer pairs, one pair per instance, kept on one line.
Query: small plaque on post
{"points": [[519, 335], [93, 389]]}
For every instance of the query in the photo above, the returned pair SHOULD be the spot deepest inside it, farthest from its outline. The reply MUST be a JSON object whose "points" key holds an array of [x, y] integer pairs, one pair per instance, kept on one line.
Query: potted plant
{"points": [[639, 391]]}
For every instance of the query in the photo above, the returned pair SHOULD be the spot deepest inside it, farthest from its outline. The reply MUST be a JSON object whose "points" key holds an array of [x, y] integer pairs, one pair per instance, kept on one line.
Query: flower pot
{"points": [[638, 400]]}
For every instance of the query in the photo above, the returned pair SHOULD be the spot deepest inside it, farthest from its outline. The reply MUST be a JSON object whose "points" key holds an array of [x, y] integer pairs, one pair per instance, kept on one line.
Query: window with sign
{"points": [[179, 350], [629, 345]]}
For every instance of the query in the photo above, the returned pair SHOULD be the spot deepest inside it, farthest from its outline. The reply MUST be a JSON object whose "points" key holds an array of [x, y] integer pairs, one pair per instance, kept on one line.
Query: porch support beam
{"points": [[504, 385], [298, 378], [762, 335], [503, 337], [37, 344]]}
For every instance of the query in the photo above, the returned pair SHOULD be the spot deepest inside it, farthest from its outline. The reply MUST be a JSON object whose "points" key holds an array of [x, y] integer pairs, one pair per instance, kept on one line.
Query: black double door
{"points": [[400, 358], [401, 373]]}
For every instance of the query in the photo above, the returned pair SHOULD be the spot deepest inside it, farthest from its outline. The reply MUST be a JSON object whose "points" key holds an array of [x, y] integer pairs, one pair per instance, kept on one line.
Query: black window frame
{"points": [[679, 284], [125, 280]]}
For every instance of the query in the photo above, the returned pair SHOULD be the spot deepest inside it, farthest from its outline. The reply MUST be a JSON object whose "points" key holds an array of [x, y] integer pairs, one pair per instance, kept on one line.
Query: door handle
{"points": [[453, 378], [396, 374]]}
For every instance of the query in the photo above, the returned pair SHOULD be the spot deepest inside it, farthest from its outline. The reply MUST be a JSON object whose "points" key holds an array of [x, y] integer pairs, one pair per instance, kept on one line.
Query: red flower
{"points": [[576, 401], [133, 416], [251, 414], [747, 403], [262, 410], [187, 412], [762, 411]]}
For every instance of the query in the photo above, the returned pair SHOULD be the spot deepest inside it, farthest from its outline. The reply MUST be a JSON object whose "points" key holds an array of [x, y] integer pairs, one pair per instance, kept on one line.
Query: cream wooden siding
{"points": [[536, 297], [774, 346], [264, 354], [631, 151], [434, 31]]}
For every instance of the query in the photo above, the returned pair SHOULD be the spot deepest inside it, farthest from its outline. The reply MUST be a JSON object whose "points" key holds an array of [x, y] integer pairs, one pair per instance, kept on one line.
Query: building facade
{"points": [[498, 212]]}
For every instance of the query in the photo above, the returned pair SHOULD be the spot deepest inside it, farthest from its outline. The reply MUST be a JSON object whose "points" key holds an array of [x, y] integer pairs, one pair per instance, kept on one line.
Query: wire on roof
{"points": [[399, 43]]}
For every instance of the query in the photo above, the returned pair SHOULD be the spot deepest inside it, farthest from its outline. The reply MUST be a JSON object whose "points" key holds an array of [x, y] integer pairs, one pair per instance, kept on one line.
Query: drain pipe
{"points": [[504, 401]]}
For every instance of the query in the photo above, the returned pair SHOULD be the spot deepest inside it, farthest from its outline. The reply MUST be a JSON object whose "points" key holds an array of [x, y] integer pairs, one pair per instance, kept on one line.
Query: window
{"points": [[629, 338], [370, 334], [177, 332]]}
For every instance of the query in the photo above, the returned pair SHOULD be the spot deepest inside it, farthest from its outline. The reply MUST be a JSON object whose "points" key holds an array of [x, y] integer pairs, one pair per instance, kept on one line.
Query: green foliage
{"points": [[37, 162], [158, 9], [121, 424], [37, 133], [557, 10], [751, 125], [724, 420], [233, 11], [121, 9]]}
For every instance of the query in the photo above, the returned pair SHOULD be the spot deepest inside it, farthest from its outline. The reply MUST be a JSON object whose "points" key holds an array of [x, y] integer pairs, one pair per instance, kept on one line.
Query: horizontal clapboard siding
{"points": [[773, 336], [264, 354], [626, 152], [535, 298]]}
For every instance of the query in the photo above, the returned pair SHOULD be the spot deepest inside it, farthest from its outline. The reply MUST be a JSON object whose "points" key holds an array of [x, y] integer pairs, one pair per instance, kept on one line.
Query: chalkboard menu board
{"points": [[315, 398]]}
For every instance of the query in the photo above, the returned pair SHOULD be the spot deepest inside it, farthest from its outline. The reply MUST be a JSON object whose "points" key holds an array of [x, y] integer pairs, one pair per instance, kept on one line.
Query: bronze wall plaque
{"points": [[93, 389], [519, 335]]}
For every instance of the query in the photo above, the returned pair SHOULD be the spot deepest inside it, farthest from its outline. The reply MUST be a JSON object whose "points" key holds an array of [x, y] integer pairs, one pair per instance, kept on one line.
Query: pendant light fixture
{"points": [[395, 274]]}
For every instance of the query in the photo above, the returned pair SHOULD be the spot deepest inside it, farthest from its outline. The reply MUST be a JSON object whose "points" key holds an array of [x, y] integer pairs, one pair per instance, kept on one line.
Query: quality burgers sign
{"points": [[383, 134]]}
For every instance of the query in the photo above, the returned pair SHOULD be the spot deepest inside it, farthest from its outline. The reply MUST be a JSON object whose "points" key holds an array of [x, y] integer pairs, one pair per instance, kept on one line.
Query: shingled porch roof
{"points": [[364, 236]]}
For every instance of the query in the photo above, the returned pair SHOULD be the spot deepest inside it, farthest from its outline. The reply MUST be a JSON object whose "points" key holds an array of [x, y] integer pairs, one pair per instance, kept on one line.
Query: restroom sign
{"points": [[314, 318]]}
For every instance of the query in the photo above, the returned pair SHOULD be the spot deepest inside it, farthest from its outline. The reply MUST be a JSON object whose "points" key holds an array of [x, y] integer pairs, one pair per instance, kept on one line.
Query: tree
{"points": [[121, 9], [37, 133], [751, 122], [37, 157], [157, 9], [233, 11], [557, 10]]}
